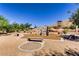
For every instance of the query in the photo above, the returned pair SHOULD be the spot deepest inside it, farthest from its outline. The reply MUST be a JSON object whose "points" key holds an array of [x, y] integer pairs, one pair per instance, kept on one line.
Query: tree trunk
{"points": [[47, 32]]}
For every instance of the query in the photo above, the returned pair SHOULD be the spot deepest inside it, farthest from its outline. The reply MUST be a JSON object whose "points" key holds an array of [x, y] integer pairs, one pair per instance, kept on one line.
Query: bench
{"points": [[35, 39]]}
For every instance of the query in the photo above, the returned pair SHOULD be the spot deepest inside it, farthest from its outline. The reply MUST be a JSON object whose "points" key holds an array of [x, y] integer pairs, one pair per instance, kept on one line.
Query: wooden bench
{"points": [[35, 39]]}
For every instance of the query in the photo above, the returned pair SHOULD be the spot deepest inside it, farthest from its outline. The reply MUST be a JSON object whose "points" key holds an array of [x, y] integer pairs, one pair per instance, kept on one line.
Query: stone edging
{"points": [[19, 47]]}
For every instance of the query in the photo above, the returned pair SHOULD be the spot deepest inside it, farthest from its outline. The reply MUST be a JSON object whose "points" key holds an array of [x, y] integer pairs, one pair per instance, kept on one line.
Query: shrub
{"points": [[65, 31], [72, 26]]}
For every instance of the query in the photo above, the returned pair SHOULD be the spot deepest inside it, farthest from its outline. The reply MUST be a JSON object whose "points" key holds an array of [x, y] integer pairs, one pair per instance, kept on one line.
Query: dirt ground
{"points": [[9, 46], [53, 36]]}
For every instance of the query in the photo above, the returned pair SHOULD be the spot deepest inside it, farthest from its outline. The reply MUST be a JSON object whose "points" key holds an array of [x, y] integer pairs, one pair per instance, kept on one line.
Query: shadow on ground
{"points": [[67, 52]]}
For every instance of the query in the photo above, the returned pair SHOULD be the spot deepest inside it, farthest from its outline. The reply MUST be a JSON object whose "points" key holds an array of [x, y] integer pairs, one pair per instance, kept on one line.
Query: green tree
{"points": [[3, 23], [16, 27], [35, 26], [22, 27], [27, 26], [75, 18]]}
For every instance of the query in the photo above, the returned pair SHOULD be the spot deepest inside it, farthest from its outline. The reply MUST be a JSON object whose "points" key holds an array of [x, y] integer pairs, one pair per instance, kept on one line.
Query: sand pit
{"points": [[30, 46]]}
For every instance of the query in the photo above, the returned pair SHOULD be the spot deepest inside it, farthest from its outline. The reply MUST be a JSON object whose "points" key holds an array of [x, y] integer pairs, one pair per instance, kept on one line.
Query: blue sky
{"points": [[36, 13]]}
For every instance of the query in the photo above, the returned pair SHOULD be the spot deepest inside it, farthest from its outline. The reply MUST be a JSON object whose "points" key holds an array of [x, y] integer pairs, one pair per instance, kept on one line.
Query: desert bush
{"points": [[72, 26], [65, 31]]}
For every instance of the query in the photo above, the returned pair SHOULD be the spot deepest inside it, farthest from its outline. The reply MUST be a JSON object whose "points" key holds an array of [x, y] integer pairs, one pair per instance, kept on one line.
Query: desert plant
{"points": [[65, 31], [72, 26]]}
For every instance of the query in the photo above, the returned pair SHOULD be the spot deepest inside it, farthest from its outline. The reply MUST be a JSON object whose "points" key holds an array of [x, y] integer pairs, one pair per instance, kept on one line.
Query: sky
{"points": [[38, 14]]}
